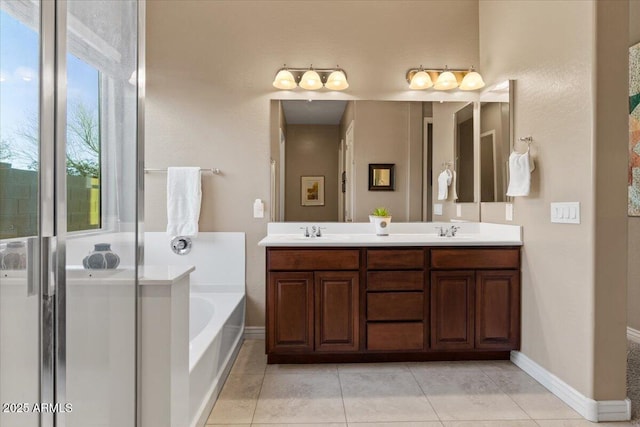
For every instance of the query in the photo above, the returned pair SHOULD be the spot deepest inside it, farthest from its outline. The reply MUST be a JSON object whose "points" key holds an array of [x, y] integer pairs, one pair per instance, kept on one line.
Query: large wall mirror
{"points": [[334, 143]]}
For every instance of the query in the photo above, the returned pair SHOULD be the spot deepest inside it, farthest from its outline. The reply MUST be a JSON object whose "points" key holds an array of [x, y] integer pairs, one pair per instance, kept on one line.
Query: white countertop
{"points": [[149, 274], [401, 234]]}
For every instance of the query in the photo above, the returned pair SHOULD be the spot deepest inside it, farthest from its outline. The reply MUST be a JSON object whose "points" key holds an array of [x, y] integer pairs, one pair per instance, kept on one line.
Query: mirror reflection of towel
{"points": [[519, 174], [444, 180]]}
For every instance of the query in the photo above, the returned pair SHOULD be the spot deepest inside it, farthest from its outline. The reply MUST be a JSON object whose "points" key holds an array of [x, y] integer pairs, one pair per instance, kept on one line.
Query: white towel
{"points": [[444, 180], [184, 196], [519, 174]]}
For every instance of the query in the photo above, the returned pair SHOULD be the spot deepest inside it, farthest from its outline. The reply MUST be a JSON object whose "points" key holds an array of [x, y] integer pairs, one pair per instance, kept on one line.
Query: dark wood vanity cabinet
{"points": [[383, 304], [475, 299], [313, 307]]}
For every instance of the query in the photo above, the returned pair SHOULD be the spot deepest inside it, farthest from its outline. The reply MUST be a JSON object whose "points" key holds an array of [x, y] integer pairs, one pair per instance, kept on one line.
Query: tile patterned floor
{"points": [[434, 394]]}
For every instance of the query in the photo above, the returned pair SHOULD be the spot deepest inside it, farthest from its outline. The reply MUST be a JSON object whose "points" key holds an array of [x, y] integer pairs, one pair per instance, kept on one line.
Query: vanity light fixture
{"points": [[311, 78], [444, 79]]}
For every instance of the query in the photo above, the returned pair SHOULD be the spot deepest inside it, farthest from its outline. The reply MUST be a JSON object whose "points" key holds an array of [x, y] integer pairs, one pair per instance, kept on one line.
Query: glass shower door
{"points": [[68, 212], [20, 302]]}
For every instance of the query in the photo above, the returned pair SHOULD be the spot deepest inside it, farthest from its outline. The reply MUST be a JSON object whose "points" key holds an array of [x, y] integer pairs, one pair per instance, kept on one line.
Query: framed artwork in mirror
{"points": [[312, 190], [382, 176]]}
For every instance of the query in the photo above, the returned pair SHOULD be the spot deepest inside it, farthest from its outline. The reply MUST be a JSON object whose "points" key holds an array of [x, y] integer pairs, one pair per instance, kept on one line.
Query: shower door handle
{"points": [[48, 265], [33, 266]]}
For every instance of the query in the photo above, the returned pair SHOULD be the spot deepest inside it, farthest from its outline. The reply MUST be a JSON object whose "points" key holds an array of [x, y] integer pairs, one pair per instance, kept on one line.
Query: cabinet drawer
{"points": [[305, 259], [475, 258], [395, 280], [395, 336], [395, 259], [395, 306]]}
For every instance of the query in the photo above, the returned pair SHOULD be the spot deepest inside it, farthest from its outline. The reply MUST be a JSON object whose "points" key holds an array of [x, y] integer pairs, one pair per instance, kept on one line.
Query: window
{"points": [[20, 139]]}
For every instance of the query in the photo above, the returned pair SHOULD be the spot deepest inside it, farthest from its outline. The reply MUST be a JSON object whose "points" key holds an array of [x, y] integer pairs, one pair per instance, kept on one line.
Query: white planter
{"points": [[382, 224]]}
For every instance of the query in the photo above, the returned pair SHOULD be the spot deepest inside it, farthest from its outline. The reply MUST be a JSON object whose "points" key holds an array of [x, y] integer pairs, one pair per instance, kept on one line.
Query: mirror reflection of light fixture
{"points": [[445, 79], [288, 78]]}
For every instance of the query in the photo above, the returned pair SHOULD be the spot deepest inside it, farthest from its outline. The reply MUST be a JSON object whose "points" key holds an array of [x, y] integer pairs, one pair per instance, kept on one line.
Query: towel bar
{"points": [[212, 170]]}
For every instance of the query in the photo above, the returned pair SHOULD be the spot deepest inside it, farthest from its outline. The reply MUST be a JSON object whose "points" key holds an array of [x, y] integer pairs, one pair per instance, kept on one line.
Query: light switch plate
{"points": [[565, 212], [437, 209], [458, 210], [508, 211]]}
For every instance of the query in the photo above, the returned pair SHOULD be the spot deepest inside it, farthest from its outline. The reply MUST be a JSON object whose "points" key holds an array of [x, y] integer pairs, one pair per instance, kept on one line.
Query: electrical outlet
{"points": [[458, 210], [437, 209]]}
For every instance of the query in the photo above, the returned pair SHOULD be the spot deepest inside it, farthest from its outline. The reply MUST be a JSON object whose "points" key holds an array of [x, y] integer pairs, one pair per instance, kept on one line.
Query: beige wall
{"points": [[210, 65], [312, 150], [550, 49], [633, 300]]}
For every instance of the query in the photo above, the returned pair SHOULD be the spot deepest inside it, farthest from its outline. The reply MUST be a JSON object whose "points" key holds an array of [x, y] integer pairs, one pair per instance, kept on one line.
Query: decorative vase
{"points": [[381, 223], [14, 257], [101, 258]]}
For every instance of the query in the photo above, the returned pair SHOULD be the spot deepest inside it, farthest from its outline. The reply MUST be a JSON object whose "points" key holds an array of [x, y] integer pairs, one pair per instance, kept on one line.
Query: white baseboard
{"points": [[254, 332], [633, 334], [592, 410]]}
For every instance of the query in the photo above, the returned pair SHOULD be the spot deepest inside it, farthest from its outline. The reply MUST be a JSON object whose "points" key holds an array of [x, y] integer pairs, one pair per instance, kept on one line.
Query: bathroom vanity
{"points": [[353, 296]]}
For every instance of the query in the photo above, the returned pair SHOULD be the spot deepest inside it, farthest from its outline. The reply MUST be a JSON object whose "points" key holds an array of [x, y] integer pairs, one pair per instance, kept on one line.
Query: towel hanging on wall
{"points": [[444, 180], [519, 174], [184, 195]]}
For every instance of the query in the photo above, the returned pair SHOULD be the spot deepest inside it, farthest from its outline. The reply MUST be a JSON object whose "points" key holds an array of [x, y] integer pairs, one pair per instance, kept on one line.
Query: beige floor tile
{"points": [[399, 424], [380, 397], [511, 423], [323, 368], [251, 358], [466, 394], [300, 398], [533, 398], [238, 400], [585, 423], [302, 425], [357, 368]]}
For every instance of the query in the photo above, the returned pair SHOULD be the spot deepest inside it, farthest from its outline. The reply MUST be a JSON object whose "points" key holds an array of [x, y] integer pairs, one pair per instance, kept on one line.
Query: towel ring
{"points": [[528, 140]]}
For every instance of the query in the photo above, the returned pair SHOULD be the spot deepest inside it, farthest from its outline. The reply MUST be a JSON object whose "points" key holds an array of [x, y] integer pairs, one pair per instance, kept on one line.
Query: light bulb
{"points": [[284, 80], [310, 80], [337, 81], [446, 80], [420, 80], [472, 81]]}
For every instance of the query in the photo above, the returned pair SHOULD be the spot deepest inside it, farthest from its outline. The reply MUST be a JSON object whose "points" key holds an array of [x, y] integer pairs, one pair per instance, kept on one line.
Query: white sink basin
{"points": [[299, 237]]}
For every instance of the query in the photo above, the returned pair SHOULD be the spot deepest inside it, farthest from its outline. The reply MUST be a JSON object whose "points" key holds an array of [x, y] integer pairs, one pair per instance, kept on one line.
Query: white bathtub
{"points": [[215, 316], [216, 321], [216, 312]]}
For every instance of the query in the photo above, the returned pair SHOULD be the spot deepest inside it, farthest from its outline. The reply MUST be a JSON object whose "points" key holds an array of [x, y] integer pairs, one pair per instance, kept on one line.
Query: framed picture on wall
{"points": [[382, 176], [312, 190]]}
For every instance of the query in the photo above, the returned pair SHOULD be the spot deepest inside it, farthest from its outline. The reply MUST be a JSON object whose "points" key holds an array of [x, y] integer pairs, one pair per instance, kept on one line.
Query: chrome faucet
{"points": [[319, 232], [447, 232], [306, 231]]}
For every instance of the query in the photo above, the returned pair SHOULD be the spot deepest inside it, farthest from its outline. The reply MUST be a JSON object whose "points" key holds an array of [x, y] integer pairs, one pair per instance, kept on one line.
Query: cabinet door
{"points": [[290, 312], [498, 310], [452, 310], [337, 311]]}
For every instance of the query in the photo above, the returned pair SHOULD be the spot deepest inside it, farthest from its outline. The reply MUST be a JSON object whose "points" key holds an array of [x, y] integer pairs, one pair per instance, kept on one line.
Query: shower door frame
{"points": [[51, 240]]}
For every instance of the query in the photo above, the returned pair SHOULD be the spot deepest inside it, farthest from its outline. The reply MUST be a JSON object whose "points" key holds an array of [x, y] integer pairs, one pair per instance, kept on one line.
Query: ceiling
{"points": [[309, 112]]}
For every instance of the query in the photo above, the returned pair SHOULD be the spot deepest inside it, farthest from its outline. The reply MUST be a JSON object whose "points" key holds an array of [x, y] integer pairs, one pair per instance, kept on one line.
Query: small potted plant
{"points": [[381, 218]]}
